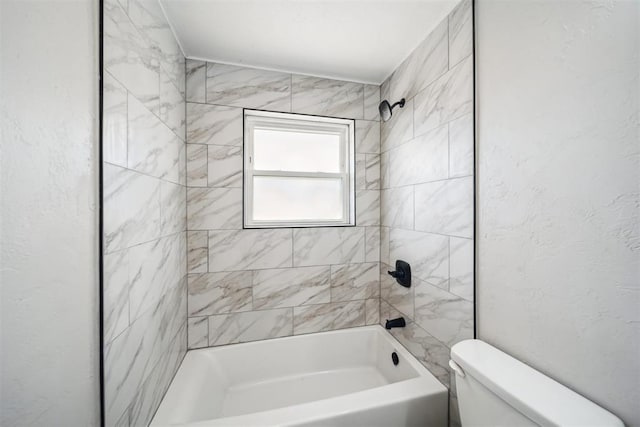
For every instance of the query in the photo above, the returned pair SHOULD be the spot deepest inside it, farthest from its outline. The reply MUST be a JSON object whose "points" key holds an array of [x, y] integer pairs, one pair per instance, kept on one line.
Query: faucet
{"points": [[395, 323]]}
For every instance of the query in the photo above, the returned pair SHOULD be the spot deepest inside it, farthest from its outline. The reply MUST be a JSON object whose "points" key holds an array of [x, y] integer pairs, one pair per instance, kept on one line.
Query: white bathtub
{"points": [[338, 378]]}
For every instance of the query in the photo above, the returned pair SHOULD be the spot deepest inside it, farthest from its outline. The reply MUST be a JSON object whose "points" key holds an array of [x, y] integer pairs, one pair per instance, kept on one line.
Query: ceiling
{"points": [[357, 40]]}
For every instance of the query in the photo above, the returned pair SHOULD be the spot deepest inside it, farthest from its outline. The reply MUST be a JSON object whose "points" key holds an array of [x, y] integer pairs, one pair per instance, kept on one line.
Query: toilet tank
{"points": [[494, 389]]}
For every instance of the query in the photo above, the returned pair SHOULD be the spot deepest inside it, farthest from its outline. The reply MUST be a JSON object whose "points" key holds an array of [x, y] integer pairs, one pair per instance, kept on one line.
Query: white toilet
{"points": [[494, 389]]}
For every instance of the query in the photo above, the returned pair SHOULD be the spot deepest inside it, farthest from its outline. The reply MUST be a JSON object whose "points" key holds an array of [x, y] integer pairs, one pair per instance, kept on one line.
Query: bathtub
{"points": [[337, 378]]}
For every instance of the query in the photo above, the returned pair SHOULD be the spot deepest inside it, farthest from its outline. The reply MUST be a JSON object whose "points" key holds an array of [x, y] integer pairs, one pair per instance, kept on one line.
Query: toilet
{"points": [[494, 389]]}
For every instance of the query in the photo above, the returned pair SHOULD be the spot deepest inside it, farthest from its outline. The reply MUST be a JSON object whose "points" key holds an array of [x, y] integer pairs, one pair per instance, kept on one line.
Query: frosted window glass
{"points": [[280, 198], [296, 151]]}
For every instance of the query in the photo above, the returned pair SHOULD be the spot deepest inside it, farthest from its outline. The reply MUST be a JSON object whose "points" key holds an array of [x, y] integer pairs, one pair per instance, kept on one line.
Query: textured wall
{"points": [[427, 193], [247, 285], [48, 219], [144, 209], [559, 177]]}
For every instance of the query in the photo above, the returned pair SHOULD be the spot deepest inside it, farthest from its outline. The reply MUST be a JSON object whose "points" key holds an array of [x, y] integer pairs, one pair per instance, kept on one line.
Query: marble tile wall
{"points": [[246, 285], [427, 185], [145, 249]]}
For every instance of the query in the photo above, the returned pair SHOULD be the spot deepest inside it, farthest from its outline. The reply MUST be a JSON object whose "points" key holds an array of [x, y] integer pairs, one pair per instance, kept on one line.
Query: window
{"points": [[298, 170]]}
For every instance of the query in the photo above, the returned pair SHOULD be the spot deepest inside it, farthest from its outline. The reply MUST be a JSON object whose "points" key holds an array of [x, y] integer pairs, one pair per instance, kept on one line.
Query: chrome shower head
{"points": [[386, 109]]}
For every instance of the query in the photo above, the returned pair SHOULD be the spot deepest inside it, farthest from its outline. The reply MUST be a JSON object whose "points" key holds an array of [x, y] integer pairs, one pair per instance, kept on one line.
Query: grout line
{"points": [[155, 239], [449, 40], [449, 273], [449, 150], [281, 71]]}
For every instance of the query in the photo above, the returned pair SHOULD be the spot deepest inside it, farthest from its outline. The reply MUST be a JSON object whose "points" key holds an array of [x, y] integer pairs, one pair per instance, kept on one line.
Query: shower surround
{"points": [[247, 285], [427, 209], [144, 249], [179, 269]]}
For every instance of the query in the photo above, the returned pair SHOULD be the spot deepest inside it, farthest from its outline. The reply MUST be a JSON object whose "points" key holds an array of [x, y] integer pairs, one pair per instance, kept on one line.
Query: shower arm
{"points": [[399, 103]]}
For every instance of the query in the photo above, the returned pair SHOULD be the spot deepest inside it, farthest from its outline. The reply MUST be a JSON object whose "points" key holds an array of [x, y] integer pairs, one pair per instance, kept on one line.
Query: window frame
{"points": [[303, 122]]}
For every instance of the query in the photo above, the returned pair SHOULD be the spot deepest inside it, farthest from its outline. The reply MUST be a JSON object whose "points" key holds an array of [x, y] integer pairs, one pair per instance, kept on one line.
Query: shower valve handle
{"points": [[396, 274], [402, 273]]}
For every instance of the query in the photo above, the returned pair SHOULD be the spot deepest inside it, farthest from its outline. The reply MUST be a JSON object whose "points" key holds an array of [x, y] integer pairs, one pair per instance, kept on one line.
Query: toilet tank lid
{"points": [[532, 393]]}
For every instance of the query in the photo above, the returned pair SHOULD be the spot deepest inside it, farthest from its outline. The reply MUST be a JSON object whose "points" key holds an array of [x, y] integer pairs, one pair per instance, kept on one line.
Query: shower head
{"points": [[386, 109]]}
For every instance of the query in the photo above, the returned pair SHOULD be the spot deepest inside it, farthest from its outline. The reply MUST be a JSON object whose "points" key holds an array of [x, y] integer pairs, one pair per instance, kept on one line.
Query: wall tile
{"points": [[225, 166], [122, 422], [454, 410], [428, 254], [372, 311], [249, 249], [214, 124], [361, 171], [423, 159], [148, 17], [132, 356], [326, 97], [447, 317], [153, 148], [325, 317], [197, 167], [250, 326], [152, 390], [214, 208], [371, 102], [182, 165], [367, 136], [154, 270], [114, 122], [446, 99], [372, 173], [445, 207], [399, 128], [384, 245], [322, 246], [131, 208], [270, 254], [219, 293], [426, 63], [196, 78], [461, 267], [429, 351], [129, 58], [460, 32], [420, 155], [372, 244], [173, 208], [198, 332], [289, 287], [172, 111], [452, 383], [248, 87], [385, 89], [197, 251], [399, 297], [355, 282], [397, 208], [461, 146], [145, 293], [385, 170], [367, 207], [116, 294]]}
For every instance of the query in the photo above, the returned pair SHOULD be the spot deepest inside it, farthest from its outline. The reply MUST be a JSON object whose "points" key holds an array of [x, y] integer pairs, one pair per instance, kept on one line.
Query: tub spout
{"points": [[395, 323]]}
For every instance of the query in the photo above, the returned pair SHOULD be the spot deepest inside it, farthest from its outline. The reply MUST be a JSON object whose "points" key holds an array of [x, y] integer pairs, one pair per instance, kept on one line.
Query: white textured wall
{"points": [[48, 240], [559, 173]]}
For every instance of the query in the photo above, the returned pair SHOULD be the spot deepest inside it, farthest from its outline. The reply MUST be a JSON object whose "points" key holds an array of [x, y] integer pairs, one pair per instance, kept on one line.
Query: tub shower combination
{"points": [[359, 376]]}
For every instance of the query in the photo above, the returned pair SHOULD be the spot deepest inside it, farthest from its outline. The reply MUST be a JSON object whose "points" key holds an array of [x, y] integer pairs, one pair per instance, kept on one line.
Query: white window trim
{"points": [[303, 122]]}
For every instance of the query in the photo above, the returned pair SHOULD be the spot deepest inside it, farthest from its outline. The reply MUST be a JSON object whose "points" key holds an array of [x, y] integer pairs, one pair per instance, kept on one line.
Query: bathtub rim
{"points": [[423, 385]]}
